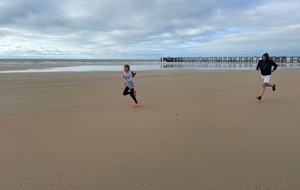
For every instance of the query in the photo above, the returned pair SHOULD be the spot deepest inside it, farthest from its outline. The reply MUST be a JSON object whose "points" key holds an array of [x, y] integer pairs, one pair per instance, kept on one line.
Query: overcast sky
{"points": [[116, 29]]}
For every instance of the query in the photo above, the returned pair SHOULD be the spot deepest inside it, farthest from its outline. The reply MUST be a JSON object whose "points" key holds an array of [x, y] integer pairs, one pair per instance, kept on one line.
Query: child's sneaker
{"points": [[259, 97], [134, 93], [136, 105]]}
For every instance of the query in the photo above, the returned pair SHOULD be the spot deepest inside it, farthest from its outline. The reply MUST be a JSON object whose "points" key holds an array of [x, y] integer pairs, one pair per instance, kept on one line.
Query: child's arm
{"points": [[128, 76]]}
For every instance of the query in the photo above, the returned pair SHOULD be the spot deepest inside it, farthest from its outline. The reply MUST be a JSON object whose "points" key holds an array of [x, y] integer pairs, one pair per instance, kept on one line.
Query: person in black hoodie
{"points": [[266, 66]]}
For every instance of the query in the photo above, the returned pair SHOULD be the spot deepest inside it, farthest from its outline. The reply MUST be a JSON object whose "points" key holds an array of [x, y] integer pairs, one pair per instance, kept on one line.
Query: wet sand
{"points": [[194, 130]]}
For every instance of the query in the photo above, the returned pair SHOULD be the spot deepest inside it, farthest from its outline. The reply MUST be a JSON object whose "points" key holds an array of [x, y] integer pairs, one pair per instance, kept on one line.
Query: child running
{"points": [[129, 84], [266, 66]]}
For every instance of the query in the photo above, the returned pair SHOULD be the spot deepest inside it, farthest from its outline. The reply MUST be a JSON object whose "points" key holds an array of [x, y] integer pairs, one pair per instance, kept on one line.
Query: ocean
{"points": [[90, 65]]}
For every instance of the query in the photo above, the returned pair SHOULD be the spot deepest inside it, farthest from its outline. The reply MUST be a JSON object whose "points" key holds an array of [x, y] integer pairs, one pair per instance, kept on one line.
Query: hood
{"points": [[267, 55]]}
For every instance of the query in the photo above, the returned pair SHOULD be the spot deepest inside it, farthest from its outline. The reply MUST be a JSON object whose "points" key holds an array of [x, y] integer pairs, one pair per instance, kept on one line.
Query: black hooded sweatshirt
{"points": [[266, 66]]}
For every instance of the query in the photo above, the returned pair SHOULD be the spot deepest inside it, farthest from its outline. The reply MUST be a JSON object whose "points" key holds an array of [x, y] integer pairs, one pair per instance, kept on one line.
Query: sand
{"points": [[193, 130]]}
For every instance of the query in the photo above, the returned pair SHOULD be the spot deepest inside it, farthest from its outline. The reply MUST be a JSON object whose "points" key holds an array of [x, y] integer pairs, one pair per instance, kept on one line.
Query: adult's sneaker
{"points": [[274, 87]]}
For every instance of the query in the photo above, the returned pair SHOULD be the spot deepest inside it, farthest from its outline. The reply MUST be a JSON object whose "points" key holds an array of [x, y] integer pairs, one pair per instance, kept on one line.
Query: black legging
{"points": [[127, 91]]}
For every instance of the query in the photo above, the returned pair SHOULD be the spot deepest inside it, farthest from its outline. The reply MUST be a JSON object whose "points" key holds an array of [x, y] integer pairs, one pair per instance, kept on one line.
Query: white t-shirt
{"points": [[129, 79]]}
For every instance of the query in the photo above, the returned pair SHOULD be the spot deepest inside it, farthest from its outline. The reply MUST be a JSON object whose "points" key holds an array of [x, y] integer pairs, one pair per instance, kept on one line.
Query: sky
{"points": [[140, 29]]}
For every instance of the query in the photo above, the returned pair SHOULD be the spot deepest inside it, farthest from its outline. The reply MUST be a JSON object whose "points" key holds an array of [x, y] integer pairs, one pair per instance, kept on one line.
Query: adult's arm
{"points": [[258, 66], [274, 65]]}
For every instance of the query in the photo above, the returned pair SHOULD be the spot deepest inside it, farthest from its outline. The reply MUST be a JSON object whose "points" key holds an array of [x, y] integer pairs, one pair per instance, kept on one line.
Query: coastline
{"points": [[50, 66]]}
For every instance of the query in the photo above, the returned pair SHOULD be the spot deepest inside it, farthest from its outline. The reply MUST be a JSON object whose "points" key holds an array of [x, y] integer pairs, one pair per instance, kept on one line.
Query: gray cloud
{"points": [[150, 29]]}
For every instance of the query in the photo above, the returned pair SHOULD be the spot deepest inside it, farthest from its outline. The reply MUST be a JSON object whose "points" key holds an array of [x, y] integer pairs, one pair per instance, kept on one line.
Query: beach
{"points": [[193, 130]]}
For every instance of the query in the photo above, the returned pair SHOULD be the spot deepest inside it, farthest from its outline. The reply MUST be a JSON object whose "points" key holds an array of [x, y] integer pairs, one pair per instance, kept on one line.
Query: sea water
{"points": [[80, 65]]}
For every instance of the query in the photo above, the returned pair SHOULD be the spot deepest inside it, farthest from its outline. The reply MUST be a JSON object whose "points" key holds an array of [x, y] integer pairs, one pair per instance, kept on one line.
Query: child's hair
{"points": [[127, 66], [132, 72]]}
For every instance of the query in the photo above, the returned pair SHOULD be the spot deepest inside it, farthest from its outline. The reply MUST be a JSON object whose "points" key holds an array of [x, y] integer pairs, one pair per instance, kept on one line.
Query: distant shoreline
{"points": [[137, 66]]}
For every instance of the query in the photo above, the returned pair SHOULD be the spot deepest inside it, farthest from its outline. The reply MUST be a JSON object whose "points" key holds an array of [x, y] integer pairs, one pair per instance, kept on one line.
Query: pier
{"points": [[254, 59]]}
